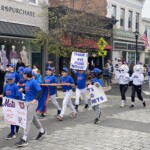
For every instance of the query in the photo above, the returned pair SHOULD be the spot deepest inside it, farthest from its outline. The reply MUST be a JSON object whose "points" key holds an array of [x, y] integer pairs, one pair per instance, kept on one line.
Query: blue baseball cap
{"points": [[11, 65], [65, 69], [96, 70], [50, 68], [27, 71], [10, 76], [20, 69], [34, 74]]}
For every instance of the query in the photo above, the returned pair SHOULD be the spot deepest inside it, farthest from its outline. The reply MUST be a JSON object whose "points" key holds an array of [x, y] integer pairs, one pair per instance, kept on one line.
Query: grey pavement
{"points": [[119, 129]]}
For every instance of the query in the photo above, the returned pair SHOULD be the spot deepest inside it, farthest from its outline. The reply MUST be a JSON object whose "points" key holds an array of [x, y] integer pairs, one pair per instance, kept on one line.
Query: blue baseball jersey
{"points": [[67, 79], [12, 91], [81, 80], [94, 80], [51, 79], [22, 80], [31, 89], [16, 75]]}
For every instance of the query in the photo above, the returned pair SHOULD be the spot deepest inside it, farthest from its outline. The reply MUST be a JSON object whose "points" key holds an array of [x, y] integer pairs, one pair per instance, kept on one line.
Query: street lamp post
{"points": [[136, 46]]}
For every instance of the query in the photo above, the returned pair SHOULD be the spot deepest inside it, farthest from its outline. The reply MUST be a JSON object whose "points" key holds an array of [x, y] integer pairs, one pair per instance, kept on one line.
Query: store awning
{"points": [[83, 43], [17, 30]]}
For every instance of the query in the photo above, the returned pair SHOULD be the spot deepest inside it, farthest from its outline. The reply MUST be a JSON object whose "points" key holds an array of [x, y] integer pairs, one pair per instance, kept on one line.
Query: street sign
{"points": [[102, 53], [102, 44]]}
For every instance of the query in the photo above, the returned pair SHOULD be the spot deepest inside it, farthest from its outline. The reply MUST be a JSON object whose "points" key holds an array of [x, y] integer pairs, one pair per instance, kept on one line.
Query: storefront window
{"points": [[131, 57], [14, 49]]}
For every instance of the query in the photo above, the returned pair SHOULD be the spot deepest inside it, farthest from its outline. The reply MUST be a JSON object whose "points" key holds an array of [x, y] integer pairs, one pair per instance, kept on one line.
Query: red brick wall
{"points": [[92, 6]]}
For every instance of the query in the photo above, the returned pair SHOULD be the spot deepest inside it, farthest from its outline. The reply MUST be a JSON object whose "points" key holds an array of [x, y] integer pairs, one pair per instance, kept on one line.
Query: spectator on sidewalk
{"points": [[106, 75], [2, 79], [19, 64], [110, 65]]}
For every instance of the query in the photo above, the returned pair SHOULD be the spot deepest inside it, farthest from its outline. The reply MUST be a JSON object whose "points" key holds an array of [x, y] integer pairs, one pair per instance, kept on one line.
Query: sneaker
{"points": [[86, 106], [42, 116], [96, 121], [74, 114], [76, 108], [132, 106], [10, 136], [41, 135], [58, 112], [22, 143], [122, 105], [144, 104], [60, 118]]}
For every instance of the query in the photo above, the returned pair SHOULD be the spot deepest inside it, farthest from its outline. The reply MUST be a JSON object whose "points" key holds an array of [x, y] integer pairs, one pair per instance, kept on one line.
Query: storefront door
{"points": [[131, 57]]}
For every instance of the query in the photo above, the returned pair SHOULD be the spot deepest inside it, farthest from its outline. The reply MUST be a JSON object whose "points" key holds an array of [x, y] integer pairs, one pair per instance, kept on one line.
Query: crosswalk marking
{"points": [[146, 92]]}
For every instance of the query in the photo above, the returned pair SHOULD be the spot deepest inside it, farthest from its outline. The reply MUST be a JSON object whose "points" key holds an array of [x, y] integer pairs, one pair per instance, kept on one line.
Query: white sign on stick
{"points": [[79, 61], [15, 112], [97, 94]]}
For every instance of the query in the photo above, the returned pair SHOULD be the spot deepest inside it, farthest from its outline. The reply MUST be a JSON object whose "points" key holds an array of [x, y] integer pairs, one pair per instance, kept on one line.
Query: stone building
{"points": [[19, 20], [146, 26], [128, 14]]}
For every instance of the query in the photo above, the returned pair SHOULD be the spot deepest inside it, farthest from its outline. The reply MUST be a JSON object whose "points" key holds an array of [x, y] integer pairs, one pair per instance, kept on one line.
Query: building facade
{"points": [[95, 26], [19, 20], [128, 14], [146, 26]]}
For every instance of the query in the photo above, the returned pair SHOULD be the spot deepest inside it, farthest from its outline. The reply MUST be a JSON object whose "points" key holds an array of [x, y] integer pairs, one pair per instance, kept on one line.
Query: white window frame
{"points": [[32, 3]]}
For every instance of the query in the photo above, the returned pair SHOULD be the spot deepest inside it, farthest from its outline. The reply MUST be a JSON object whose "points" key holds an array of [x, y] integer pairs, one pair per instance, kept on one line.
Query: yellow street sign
{"points": [[102, 53], [102, 44]]}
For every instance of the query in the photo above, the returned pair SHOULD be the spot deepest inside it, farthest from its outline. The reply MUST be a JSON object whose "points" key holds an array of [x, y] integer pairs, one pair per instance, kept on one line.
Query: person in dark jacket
{"points": [[2, 79]]}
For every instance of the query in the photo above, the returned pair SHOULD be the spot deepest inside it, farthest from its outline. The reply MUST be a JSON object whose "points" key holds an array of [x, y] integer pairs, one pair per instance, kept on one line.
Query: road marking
{"points": [[146, 92]]}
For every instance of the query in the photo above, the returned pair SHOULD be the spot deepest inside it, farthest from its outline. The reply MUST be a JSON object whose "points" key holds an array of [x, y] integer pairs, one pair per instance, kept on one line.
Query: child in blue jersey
{"points": [[33, 92], [39, 76], [81, 89], [67, 84], [96, 79], [11, 69], [51, 79], [11, 90]]}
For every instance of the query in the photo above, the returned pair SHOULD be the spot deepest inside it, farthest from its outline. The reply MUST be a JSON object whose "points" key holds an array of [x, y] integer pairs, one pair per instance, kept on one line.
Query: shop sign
{"points": [[133, 47], [17, 11], [121, 46]]}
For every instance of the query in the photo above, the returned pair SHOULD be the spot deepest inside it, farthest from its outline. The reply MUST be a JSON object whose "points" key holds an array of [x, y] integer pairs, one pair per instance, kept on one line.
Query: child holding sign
{"points": [[81, 88], [96, 79], [11, 90]]}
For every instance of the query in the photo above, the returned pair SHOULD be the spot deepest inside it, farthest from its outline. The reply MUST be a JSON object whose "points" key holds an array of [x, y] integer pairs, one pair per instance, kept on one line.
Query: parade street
{"points": [[119, 129]]}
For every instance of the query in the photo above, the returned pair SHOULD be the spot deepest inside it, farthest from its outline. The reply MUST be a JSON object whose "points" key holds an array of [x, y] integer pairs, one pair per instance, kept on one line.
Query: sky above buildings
{"points": [[146, 9]]}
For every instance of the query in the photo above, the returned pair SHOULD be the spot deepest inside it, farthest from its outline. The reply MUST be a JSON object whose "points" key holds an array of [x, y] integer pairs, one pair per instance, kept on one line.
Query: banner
{"points": [[15, 112], [97, 94], [79, 61]]}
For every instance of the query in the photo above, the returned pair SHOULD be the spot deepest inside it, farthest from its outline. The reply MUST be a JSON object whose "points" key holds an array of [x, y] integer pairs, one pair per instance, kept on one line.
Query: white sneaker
{"points": [[122, 104]]}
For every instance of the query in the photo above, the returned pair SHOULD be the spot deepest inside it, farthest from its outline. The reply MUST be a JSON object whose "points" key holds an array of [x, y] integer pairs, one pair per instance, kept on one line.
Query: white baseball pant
{"points": [[67, 102], [54, 101], [79, 93]]}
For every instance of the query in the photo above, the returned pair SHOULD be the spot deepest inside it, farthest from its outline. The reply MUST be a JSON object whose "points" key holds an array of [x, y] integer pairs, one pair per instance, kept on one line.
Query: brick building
{"points": [[97, 26]]}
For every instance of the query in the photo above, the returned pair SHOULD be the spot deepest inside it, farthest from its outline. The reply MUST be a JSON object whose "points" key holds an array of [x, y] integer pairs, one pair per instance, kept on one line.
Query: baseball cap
{"points": [[20, 69], [96, 70], [11, 65], [10, 76], [34, 74], [65, 69], [50, 68], [27, 71]]}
